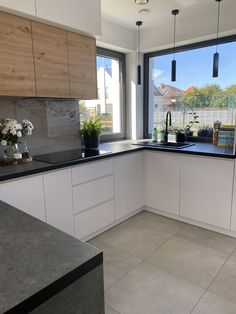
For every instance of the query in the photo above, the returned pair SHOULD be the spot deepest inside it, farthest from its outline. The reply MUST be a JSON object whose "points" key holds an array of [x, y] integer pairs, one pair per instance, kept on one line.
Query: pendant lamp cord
{"points": [[174, 35], [139, 44], [218, 26]]}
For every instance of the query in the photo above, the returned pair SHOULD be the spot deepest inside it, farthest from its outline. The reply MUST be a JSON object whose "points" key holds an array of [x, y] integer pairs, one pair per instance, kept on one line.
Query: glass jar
{"points": [[9, 153]]}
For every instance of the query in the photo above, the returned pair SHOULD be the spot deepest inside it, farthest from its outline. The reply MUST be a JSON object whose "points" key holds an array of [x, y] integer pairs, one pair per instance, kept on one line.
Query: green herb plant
{"points": [[91, 126]]}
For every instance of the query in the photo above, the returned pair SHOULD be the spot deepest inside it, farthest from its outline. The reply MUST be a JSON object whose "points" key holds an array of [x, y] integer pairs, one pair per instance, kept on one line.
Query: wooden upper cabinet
{"points": [[16, 55], [82, 66], [51, 61]]}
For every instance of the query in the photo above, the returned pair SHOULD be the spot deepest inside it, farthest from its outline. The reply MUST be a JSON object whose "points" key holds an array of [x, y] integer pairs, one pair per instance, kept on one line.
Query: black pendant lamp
{"points": [[216, 57], [139, 78], [173, 63]]}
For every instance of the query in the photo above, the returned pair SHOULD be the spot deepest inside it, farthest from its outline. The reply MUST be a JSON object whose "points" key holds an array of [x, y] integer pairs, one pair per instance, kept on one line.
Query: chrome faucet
{"points": [[168, 122]]}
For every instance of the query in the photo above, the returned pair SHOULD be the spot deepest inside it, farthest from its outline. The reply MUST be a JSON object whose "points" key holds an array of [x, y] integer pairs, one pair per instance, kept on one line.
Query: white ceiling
{"points": [[125, 12]]}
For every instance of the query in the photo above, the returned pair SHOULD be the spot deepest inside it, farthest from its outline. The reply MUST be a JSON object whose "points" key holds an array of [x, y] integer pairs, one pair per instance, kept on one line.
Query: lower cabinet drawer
{"points": [[90, 194], [94, 219]]}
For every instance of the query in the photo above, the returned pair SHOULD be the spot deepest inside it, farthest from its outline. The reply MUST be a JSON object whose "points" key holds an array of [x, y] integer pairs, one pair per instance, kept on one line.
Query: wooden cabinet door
{"points": [[82, 66], [16, 55], [206, 190], [162, 181], [129, 184], [51, 61]]}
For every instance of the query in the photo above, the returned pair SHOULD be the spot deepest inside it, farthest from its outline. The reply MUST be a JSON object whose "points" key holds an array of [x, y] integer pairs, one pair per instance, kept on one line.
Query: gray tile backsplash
{"points": [[56, 121]]}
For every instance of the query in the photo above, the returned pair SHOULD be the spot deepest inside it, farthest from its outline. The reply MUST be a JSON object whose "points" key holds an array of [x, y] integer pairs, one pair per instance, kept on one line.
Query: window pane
{"points": [[108, 105], [196, 99]]}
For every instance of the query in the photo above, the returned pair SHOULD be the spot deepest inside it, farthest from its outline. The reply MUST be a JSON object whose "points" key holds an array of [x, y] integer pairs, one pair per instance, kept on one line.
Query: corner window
{"points": [[196, 99], [111, 95]]}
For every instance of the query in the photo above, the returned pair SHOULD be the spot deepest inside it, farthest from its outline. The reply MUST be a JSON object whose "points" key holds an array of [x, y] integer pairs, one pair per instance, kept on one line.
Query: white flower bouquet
{"points": [[10, 132]]}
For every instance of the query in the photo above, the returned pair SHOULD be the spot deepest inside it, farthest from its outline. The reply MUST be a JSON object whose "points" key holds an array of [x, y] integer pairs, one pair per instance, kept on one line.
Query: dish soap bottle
{"points": [[154, 134]]}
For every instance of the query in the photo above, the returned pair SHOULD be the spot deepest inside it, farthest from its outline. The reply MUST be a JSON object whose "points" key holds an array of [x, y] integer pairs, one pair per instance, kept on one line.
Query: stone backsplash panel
{"points": [[56, 121]]}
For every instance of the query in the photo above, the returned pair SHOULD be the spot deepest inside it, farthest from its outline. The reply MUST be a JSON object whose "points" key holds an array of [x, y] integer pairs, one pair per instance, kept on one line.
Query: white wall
{"points": [[117, 37], [25, 6], [189, 29], [78, 14], [134, 98]]}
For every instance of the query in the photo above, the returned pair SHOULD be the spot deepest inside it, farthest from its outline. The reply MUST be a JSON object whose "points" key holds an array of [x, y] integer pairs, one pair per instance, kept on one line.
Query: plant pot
{"points": [[180, 137], [91, 140], [189, 133]]}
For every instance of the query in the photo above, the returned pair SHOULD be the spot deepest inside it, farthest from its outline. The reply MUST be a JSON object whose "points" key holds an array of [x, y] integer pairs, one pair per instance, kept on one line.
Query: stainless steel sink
{"points": [[173, 145]]}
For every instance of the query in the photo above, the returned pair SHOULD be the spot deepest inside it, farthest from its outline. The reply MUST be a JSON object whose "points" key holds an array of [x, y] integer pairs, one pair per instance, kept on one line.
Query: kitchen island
{"points": [[43, 270]]}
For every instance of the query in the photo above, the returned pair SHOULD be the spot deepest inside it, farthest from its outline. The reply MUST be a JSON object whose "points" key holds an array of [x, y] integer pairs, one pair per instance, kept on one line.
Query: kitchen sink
{"points": [[173, 145]]}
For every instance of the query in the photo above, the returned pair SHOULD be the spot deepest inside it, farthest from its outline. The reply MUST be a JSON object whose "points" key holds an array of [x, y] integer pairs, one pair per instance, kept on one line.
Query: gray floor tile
{"points": [[111, 275], [109, 310], [189, 260], [116, 262], [224, 285], [150, 290], [208, 238], [120, 260], [212, 304], [158, 222], [134, 238]]}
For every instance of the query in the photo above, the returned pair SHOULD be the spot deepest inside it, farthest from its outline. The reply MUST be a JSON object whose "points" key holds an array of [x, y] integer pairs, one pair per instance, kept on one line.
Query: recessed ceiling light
{"points": [[141, 1], [144, 11]]}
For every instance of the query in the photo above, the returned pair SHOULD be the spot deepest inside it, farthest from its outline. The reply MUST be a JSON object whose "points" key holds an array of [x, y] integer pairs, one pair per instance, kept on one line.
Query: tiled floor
{"points": [[155, 265]]}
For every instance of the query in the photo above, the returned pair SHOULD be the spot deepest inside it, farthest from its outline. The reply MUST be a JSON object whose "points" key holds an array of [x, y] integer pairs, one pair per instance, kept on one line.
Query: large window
{"points": [[111, 94], [196, 99]]}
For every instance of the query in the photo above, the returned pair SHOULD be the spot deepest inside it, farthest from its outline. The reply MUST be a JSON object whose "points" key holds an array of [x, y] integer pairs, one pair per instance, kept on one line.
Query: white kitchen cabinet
{"points": [[129, 183], [92, 193], [23, 6], [94, 219], [25, 194], [206, 190], [58, 200], [162, 181], [77, 14], [233, 217], [92, 171]]}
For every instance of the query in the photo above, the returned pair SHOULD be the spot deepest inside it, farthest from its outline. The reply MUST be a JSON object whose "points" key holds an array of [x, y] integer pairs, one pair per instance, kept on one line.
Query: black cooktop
{"points": [[70, 155]]}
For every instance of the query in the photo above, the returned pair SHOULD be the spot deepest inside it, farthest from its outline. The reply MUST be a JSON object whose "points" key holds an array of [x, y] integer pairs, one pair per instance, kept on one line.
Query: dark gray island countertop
{"points": [[113, 149], [37, 261]]}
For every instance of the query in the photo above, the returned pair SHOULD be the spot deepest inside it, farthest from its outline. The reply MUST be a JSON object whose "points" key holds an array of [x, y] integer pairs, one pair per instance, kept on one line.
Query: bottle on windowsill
{"points": [[154, 135]]}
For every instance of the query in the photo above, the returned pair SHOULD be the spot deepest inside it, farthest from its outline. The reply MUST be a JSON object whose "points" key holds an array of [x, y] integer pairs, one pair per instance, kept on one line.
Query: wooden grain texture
{"points": [[16, 55], [82, 66], [51, 60]]}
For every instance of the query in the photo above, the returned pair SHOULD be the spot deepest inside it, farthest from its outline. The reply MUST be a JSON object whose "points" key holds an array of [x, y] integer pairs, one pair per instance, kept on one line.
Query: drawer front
{"points": [[94, 219], [93, 170], [92, 193]]}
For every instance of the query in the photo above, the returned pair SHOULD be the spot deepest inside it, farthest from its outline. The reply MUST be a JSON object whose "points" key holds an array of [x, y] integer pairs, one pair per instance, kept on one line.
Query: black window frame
{"points": [[121, 57], [147, 56]]}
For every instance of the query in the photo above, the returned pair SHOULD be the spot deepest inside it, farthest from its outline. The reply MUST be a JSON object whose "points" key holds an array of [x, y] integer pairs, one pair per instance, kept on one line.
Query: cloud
{"points": [[156, 73]]}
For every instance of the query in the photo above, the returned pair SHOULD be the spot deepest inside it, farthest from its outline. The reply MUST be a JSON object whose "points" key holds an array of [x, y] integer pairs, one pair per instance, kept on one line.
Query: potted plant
{"points": [[193, 120], [91, 130], [179, 136], [206, 133]]}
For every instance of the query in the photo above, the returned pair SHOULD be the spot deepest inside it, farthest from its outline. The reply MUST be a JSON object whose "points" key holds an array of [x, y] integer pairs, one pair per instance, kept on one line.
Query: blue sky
{"points": [[101, 61], [194, 67]]}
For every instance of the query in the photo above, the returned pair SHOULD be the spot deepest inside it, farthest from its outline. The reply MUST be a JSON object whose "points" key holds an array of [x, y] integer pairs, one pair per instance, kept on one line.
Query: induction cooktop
{"points": [[70, 155]]}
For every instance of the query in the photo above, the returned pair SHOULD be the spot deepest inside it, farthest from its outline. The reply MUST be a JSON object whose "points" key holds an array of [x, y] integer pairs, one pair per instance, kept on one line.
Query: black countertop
{"points": [[37, 260], [115, 149]]}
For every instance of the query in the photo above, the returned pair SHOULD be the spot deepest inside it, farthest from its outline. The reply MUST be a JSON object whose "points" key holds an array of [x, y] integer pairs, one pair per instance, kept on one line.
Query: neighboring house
{"points": [[169, 94]]}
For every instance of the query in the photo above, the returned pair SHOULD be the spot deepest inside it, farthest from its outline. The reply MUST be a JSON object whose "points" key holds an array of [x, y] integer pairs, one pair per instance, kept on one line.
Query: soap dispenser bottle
{"points": [[154, 134]]}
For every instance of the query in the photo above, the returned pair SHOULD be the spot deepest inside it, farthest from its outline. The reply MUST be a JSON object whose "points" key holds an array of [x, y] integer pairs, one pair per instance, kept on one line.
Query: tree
{"points": [[208, 96]]}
